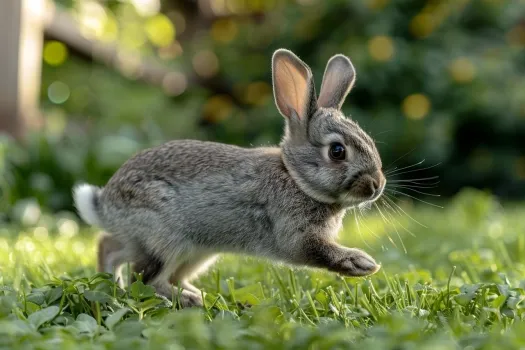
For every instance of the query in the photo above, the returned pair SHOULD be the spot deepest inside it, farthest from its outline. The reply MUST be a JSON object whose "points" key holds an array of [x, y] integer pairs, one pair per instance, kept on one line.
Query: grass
{"points": [[459, 285]]}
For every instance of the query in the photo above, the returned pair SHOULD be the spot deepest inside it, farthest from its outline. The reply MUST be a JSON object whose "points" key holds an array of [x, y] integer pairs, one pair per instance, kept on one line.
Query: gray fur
{"points": [[172, 208]]}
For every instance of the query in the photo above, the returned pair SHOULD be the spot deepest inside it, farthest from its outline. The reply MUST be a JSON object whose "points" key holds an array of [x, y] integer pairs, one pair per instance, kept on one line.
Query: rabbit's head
{"points": [[329, 156]]}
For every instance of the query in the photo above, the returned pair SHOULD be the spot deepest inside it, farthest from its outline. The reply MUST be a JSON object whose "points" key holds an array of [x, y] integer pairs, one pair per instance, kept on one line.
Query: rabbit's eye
{"points": [[337, 151]]}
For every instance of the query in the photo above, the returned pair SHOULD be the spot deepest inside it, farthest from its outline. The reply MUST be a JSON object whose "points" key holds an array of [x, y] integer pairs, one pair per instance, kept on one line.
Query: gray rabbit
{"points": [[171, 209]]}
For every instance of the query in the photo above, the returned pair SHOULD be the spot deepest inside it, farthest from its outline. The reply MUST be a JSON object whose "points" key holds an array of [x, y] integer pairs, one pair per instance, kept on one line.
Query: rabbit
{"points": [[169, 210]]}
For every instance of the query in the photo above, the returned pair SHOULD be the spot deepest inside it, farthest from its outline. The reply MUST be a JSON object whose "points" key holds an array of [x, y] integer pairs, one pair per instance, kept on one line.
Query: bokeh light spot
{"points": [[30, 213], [24, 245], [416, 106], [79, 248], [146, 7], [58, 92], [218, 108], [41, 233], [91, 18], [224, 30], [495, 229], [129, 65], [462, 70], [174, 83], [55, 53], [67, 228], [205, 63], [160, 30], [381, 48], [218, 7], [60, 245], [237, 7], [170, 52], [422, 25], [258, 93]]}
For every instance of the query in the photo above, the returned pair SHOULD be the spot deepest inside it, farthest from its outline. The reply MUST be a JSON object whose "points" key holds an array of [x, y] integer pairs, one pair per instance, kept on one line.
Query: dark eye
{"points": [[337, 151]]}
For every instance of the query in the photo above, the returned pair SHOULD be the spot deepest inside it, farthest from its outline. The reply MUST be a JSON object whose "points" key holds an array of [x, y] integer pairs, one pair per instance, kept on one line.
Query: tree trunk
{"points": [[21, 35]]}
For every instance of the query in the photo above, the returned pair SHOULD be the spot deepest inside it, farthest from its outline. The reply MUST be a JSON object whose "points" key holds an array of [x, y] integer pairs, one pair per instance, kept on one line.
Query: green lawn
{"points": [[460, 284]]}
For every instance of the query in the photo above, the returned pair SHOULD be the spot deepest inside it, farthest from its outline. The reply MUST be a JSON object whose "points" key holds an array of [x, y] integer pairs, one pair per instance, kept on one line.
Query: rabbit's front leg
{"points": [[319, 252]]}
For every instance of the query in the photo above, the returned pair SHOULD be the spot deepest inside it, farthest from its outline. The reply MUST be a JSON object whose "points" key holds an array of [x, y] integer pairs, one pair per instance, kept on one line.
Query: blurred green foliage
{"points": [[437, 80]]}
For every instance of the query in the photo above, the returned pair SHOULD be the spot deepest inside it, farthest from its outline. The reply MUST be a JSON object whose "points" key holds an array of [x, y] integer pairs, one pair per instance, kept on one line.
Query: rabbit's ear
{"points": [[293, 86], [339, 77]]}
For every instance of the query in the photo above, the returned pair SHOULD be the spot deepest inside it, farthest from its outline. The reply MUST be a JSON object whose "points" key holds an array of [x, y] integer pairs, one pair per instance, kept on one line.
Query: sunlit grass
{"points": [[460, 282]]}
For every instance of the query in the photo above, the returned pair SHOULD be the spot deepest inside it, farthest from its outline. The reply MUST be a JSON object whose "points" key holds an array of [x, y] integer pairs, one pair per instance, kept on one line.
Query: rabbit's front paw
{"points": [[357, 263], [189, 299], [183, 297]]}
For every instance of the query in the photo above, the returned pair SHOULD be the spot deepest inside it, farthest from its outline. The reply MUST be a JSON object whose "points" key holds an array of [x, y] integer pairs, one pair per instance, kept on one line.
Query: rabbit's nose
{"points": [[378, 181], [375, 184], [375, 188]]}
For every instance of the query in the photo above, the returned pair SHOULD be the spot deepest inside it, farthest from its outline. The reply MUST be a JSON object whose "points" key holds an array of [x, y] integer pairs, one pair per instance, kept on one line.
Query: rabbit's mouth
{"points": [[352, 200], [366, 188]]}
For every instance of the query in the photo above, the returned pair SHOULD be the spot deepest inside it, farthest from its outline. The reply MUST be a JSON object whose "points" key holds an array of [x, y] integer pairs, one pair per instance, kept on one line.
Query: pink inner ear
{"points": [[338, 79], [329, 88], [291, 84]]}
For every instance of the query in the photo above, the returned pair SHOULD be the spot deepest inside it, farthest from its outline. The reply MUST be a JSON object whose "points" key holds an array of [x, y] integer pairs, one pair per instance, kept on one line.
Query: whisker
{"points": [[406, 167], [379, 133], [416, 183], [366, 226], [395, 229], [388, 206], [383, 132], [407, 195], [404, 212], [409, 186], [359, 230], [400, 211], [385, 219], [404, 228], [412, 180], [420, 192], [390, 239], [413, 171], [362, 207], [381, 213], [404, 155]]}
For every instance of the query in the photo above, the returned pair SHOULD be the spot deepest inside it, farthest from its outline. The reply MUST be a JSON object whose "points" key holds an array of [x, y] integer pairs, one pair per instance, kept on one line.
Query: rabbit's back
{"points": [[206, 194]]}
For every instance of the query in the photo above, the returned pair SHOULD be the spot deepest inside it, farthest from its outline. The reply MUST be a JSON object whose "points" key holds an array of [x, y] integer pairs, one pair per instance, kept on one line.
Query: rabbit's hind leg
{"points": [[185, 297], [190, 269], [157, 273], [151, 267], [111, 255]]}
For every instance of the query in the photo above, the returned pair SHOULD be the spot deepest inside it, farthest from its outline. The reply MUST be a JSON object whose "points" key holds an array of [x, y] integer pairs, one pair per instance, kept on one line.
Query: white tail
{"points": [[84, 197]]}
